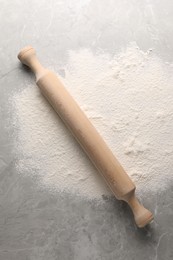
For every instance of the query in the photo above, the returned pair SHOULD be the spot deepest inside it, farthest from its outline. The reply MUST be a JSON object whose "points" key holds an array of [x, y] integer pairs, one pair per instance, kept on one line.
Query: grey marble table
{"points": [[35, 224]]}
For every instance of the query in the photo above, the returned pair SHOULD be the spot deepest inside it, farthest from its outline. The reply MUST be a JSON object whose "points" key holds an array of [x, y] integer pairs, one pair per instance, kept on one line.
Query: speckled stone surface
{"points": [[38, 225]]}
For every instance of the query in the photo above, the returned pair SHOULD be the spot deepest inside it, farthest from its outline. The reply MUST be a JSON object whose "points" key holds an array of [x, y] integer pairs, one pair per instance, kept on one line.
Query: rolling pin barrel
{"points": [[87, 136]]}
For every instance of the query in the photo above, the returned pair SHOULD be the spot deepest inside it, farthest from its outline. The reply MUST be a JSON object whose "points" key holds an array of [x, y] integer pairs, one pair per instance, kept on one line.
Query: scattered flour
{"points": [[127, 97]]}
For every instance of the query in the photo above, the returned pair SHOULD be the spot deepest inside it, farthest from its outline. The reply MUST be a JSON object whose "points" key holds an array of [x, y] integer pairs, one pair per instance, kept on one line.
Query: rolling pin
{"points": [[84, 132]]}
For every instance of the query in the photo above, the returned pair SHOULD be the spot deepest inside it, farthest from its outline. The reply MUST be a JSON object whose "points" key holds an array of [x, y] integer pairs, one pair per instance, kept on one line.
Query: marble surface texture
{"points": [[35, 224]]}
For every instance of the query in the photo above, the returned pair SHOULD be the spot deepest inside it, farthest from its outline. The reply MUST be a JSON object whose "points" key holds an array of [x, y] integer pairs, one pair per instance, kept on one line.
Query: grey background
{"points": [[35, 224]]}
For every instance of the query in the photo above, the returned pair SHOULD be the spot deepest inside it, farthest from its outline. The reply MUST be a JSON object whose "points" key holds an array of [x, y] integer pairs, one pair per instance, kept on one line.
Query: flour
{"points": [[127, 97]]}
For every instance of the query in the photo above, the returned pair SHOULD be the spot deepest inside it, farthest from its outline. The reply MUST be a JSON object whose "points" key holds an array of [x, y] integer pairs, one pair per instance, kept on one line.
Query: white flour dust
{"points": [[127, 97]]}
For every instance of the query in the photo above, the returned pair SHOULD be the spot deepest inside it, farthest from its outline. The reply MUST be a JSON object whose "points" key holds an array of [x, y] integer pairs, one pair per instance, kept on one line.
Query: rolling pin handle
{"points": [[28, 57]]}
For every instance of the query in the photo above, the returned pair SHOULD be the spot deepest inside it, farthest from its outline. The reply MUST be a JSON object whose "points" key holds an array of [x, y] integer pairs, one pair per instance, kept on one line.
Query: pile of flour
{"points": [[127, 97]]}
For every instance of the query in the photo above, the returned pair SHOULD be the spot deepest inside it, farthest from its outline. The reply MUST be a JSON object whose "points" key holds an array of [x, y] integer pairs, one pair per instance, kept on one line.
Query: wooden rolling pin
{"points": [[117, 179]]}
